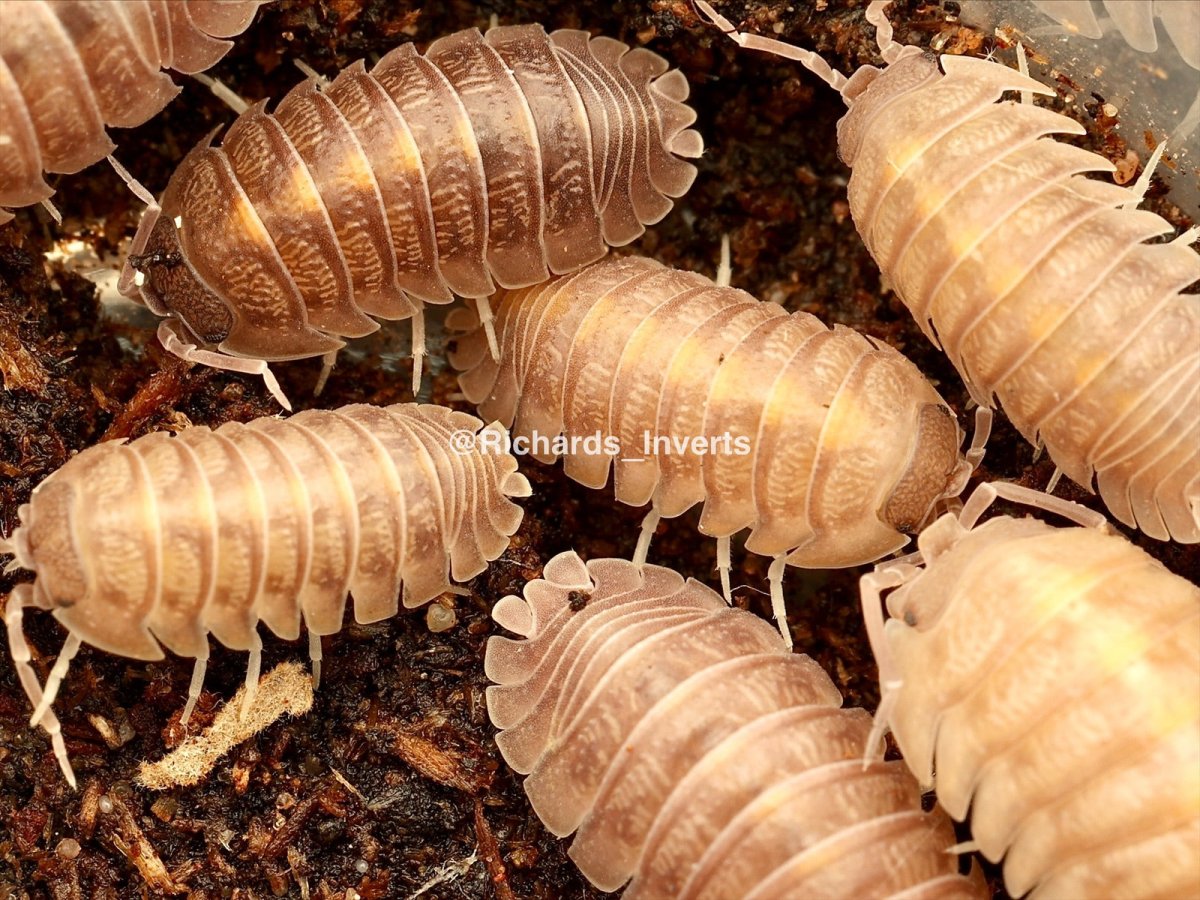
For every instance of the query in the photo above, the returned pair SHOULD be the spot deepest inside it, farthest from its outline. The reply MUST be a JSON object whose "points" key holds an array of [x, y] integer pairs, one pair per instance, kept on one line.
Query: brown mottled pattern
{"points": [[1035, 279], [492, 159], [1048, 681], [833, 422], [693, 754], [68, 68], [167, 539]]}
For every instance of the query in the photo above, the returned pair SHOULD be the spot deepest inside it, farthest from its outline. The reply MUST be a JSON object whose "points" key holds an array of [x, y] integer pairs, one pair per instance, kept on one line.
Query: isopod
{"points": [[70, 69], [488, 160], [1035, 279], [158, 542], [826, 443], [1048, 680], [693, 753]]}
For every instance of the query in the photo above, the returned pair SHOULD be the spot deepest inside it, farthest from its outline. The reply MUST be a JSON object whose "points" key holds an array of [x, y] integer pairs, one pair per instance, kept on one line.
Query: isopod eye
{"points": [[171, 287], [910, 618]]}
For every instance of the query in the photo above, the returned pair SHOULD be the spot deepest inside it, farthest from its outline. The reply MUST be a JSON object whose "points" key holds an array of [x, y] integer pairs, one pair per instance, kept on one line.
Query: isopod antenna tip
{"points": [[807, 58]]}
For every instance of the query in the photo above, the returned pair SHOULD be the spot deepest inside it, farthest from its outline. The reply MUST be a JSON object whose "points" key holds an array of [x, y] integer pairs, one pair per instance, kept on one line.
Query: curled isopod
{"points": [[1036, 280], [827, 444], [692, 753], [70, 68], [488, 160], [160, 541], [1048, 681]]}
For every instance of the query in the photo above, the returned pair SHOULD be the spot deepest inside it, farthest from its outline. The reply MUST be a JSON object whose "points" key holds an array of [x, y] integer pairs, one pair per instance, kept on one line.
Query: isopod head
{"points": [[934, 470]]}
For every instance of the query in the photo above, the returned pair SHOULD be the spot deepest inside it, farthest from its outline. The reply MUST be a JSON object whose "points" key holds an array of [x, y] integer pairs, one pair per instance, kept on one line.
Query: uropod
{"points": [[160, 541], [488, 160], [1036, 280]]}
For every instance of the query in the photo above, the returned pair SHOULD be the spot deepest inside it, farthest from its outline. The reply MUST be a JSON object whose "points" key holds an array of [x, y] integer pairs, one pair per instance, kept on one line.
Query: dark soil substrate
{"points": [[393, 780]]}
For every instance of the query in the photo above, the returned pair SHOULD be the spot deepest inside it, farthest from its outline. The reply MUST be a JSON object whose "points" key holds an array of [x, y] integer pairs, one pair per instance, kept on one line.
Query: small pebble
{"points": [[106, 805], [68, 848], [439, 618], [361, 867]]}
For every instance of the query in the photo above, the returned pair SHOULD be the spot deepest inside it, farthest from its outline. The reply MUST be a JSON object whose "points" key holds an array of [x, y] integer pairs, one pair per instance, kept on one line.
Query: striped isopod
{"points": [[1034, 278], [489, 159], [1051, 677], [826, 443], [162, 540], [69, 69], [693, 753]]}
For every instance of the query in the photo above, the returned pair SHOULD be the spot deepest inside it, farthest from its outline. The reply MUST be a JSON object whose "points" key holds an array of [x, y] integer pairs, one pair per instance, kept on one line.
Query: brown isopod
{"points": [[826, 443], [160, 541], [70, 69], [1048, 680], [694, 754], [1035, 279], [489, 159]]}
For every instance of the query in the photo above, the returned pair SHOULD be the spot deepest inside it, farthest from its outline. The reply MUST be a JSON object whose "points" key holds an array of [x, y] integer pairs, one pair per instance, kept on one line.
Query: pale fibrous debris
{"points": [[692, 754], [284, 691]]}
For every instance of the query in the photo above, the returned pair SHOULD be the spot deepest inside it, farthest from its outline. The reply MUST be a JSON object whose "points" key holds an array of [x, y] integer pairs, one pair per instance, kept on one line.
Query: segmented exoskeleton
{"points": [[1035, 279], [160, 541], [1048, 680], [488, 160], [827, 444], [70, 68], [694, 754]]}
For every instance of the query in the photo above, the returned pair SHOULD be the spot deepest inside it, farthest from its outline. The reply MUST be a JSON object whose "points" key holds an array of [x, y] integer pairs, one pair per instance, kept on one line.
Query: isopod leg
{"points": [[222, 92], [315, 656], [53, 210], [253, 669], [644, 537], [55, 679], [986, 494], [871, 587], [778, 609], [139, 190], [487, 322], [725, 266], [20, 598], [983, 430], [196, 685], [418, 348], [328, 361], [1023, 68], [725, 566], [174, 344]]}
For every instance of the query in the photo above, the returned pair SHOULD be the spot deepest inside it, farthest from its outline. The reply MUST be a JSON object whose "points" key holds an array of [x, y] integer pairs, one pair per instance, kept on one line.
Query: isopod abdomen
{"points": [[70, 69], [488, 160], [1036, 279], [161, 541], [827, 444], [692, 753], [1048, 680]]}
